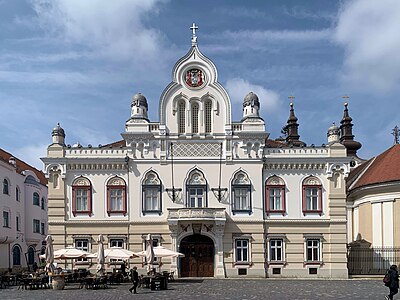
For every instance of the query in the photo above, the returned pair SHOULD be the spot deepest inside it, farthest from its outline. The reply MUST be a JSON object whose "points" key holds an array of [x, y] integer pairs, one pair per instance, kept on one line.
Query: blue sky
{"points": [[79, 63]]}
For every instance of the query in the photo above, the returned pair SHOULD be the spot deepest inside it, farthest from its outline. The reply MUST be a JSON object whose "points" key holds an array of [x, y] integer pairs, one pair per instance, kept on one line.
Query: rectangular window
{"points": [[275, 198], [82, 244], [312, 199], [241, 199], [117, 199], [195, 118], [276, 250], [196, 197], [117, 243], [36, 226], [151, 198], [207, 116], [18, 223], [6, 219], [81, 199], [313, 247], [242, 250], [181, 118], [42, 228]]}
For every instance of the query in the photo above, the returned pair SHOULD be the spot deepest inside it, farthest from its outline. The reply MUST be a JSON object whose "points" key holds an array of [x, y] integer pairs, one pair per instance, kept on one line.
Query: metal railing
{"points": [[371, 261]]}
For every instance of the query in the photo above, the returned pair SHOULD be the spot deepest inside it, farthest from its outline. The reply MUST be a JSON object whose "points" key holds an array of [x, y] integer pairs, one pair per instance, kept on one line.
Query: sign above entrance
{"points": [[195, 78]]}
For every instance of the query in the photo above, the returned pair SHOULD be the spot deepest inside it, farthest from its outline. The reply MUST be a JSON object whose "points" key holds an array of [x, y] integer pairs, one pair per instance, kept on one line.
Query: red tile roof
{"points": [[118, 144], [22, 166], [383, 168]]}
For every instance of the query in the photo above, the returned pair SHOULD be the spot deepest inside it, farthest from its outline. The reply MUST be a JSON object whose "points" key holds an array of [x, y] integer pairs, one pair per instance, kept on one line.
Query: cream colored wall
{"points": [[396, 222], [365, 221]]}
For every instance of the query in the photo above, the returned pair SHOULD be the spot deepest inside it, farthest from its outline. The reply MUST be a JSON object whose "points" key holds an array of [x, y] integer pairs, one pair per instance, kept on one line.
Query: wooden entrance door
{"points": [[199, 256]]}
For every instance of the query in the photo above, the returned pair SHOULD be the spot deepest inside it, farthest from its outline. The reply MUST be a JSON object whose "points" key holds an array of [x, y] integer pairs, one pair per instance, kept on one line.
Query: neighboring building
{"points": [[233, 201], [373, 209], [23, 204]]}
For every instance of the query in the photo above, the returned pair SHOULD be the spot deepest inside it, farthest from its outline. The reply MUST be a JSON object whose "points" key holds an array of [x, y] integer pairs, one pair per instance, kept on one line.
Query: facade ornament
{"points": [[194, 36]]}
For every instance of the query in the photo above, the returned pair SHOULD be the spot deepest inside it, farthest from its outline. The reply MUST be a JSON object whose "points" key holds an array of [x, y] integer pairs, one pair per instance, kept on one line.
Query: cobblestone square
{"points": [[218, 289]]}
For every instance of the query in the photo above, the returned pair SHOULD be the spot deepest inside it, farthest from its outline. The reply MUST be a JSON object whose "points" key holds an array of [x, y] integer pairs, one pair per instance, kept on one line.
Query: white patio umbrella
{"points": [[149, 252], [70, 252], [100, 255], [160, 252], [116, 253], [49, 254]]}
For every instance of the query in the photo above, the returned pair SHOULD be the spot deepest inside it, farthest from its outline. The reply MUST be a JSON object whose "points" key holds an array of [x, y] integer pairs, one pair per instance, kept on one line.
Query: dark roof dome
{"points": [[251, 99], [139, 100], [58, 131]]}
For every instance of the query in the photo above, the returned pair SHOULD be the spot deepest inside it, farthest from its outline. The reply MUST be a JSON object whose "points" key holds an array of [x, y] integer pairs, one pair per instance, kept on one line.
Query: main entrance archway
{"points": [[199, 256]]}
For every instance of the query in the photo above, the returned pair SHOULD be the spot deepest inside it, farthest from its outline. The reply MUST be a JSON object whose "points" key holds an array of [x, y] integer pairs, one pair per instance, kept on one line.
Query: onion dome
{"points": [[58, 131], [251, 99], [139, 100]]}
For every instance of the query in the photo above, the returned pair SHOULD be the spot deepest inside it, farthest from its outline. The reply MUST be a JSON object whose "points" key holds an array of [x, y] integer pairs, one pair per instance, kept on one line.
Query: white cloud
{"points": [[111, 28], [238, 88], [369, 31], [31, 155], [280, 35]]}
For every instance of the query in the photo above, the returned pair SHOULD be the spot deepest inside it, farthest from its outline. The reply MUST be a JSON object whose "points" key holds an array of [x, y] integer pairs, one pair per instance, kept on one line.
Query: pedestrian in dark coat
{"points": [[134, 279], [394, 282]]}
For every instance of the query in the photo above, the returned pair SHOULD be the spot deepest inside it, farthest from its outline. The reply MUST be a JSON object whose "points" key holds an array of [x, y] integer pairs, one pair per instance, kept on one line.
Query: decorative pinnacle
{"points": [[194, 37], [396, 134]]}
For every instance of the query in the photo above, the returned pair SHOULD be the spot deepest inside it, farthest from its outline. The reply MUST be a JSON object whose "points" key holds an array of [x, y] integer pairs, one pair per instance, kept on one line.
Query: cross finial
{"points": [[396, 134], [291, 97], [194, 37]]}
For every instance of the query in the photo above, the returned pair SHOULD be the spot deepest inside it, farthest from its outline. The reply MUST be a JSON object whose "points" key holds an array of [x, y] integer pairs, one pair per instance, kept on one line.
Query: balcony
{"points": [[196, 214]]}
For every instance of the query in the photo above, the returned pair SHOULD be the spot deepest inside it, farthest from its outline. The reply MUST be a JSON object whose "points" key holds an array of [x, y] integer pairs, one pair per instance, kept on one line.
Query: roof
{"points": [[22, 166], [383, 168], [119, 144]]}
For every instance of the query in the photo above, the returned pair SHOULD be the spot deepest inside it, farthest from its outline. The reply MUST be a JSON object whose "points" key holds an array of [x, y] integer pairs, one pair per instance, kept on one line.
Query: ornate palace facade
{"points": [[233, 201]]}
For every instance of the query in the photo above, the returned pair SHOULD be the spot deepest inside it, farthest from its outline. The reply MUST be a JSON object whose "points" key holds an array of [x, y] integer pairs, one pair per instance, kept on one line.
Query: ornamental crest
{"points": [[194, 78]]}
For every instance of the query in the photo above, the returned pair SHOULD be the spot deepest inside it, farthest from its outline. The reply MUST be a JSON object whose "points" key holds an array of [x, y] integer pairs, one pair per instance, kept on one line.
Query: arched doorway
{"points": [[16, 255], [199, 256], [31, 255]]}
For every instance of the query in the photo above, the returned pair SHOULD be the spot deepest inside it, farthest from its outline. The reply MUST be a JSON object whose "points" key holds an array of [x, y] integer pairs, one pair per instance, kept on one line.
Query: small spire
{"points": [[396, 134], [293, 137], [194, 36], [346, 132]]}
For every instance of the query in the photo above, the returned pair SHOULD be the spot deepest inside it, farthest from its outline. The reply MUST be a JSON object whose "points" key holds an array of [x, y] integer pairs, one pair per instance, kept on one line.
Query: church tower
{"points": [[346, 133], [58, 135], [333, 134], [292, 127], [139, 107], [251, 106]]}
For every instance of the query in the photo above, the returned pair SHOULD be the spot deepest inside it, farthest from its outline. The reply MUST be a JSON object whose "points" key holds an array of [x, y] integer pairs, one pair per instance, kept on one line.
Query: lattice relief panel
{"points": [[196, 149]]}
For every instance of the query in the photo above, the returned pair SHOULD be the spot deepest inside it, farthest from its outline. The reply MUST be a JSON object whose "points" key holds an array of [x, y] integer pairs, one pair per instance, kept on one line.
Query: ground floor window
{"points": [[242, 250], [31, 255], [276, 250], [117, 243], [313, 250], [82, 244]]}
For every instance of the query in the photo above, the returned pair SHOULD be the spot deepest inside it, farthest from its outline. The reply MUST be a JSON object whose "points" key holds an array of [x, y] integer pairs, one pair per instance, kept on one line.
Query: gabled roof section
{"points": [[119, 144], [22, 166], [383, 168]]}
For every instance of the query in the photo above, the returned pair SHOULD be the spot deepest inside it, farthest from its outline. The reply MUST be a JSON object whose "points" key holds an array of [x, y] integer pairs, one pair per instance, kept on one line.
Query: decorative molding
{"points": [[96, 166], [294, 166]]}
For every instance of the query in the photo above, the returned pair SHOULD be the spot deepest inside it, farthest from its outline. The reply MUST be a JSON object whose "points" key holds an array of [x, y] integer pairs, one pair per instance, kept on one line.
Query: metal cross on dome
{"points": [[194, 37]]}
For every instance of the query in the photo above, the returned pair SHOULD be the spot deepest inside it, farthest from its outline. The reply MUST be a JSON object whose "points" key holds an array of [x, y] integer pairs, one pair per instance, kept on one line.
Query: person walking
{"points": [[393, 284], [134, 279]]}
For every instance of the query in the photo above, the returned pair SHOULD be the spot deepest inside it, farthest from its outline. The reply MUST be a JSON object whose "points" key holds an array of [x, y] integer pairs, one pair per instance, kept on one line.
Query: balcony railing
{"points": [[196, 214]]}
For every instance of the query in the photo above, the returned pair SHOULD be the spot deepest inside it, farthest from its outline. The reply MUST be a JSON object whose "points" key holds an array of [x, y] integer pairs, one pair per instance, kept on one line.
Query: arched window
{"points": [[207, 116], [16, 251], [81, 196], [241, 193], [36, 198], [42, 205], [5, 187], [151, 193], [116, 196], [275, 195], [17, 194], [195, 118], [196, 188], [312, 195], [181, 118], [31, 255]]}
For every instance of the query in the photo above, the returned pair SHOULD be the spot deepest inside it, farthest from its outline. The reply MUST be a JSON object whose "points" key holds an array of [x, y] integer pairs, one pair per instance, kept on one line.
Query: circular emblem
{"points": [[195, 78]]}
